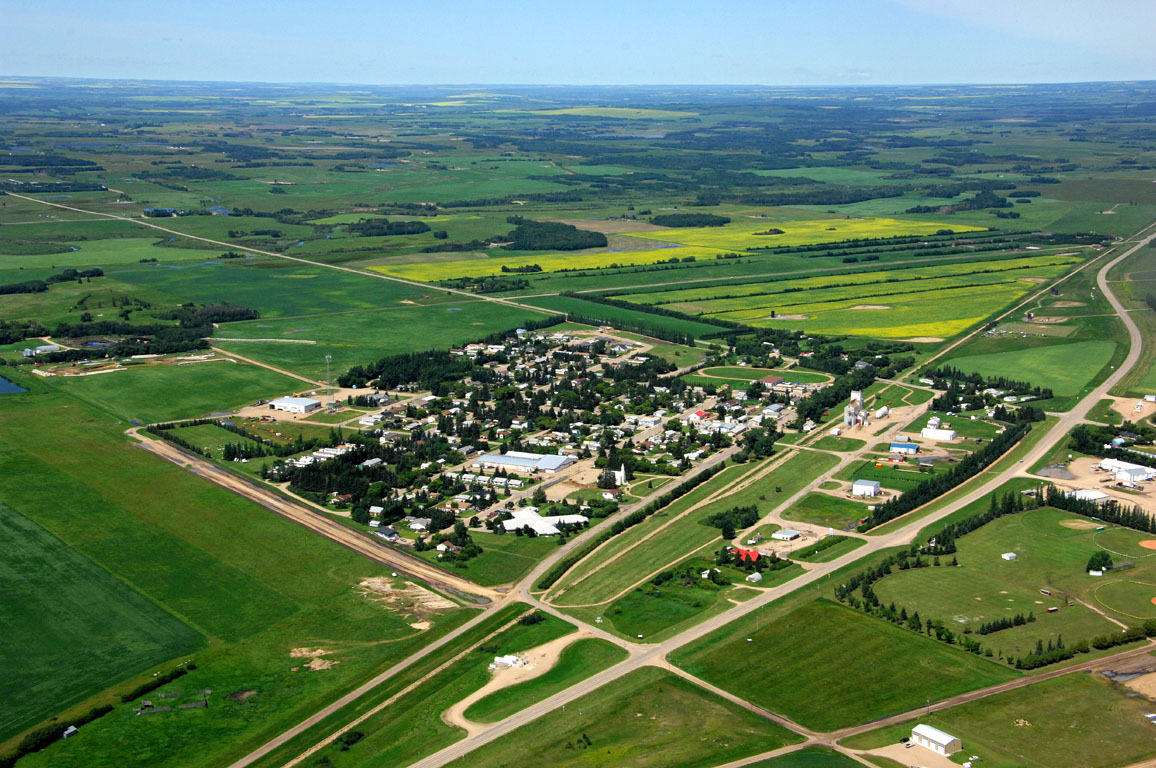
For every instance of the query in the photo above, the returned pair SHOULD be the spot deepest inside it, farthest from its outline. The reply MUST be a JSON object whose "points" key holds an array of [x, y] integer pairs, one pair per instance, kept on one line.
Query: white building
{"points": [[865, 488], [786, 534], [1088, 494], [1126, 471], [295, 404], [904, 448], [1008, 556], [936, 740], [528, 517], [933, 433], [525, 463]]}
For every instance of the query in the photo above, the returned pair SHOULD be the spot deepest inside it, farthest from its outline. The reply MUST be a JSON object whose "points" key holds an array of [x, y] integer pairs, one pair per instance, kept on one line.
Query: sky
{"points": [[583, 42]]}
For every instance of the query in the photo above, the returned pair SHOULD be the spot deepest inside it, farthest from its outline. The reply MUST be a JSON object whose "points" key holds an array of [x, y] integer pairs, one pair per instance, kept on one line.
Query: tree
{"points": [[1101, 561]]}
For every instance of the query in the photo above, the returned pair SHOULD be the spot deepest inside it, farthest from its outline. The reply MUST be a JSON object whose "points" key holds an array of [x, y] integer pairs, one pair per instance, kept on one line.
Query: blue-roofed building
{"points": [[904, 448], [524, 463]]}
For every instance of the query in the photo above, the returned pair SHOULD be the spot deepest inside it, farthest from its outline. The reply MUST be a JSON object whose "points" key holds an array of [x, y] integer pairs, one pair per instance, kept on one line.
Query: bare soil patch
{"points": [[787, 317], [1046, 319], [1148, 544], [1144, 684], [1080, 525], [924, 339], [1126, 407], [411, 596], [240, 696], [307, 653], [870, 306], [1068, 304], [1035, 279]]}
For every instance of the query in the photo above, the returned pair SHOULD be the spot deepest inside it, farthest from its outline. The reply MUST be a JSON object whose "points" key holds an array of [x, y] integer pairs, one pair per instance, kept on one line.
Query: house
{"points": [[904, 448], [865, 488], [936, 740], [295, 404], [374, 523], [771, 381], [785, 534], [1009, 556], [369, 463], [389, 534], [418, 523], [376, 511], [446, 546]]}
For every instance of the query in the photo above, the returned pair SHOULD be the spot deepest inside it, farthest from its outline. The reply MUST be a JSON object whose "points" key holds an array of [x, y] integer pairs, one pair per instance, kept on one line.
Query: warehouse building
{"points": [[865, 488], [934, 433], [936, 740], [524, 463], [904, 448], [295, 404]]}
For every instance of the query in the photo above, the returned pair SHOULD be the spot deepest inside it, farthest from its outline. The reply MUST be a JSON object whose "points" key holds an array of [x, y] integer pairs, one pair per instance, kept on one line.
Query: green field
{"points": [[809, 554], [631, 319], [826, 510], [577, 661], [648, 719], [1063, 368], [253, 584], [791, 671], [812, 757], [357, 338], [58, 602], [144, 393], [505, 557], [1075, 721]]}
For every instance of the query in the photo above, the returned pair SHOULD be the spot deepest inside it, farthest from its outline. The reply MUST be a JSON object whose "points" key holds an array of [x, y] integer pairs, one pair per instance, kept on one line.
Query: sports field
{"points": [[647, 719], [837, 641]]}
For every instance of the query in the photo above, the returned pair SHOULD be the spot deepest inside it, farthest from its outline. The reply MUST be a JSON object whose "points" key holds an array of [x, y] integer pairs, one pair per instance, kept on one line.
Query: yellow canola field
{"points": [[493, 261], [743, 234]]}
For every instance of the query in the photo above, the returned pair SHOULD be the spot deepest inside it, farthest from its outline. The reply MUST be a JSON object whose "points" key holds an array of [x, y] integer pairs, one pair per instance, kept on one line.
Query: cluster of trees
{"points": [[733, 519], [40, 286], [385, 227], [42, 738], [192, 316], [1096, 440], [466, 547], [651, 309], [487, 284], [969, 386], [551, 236], [939, 484], [12, 331], [690, 220], [1111, 511], [527, 269], [999, 625], [943, 542]]}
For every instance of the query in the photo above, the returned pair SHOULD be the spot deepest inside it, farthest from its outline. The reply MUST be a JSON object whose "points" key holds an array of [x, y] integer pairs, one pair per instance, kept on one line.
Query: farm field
{"points": [[577, 661], [681, 726], [1075, 721], [792, 671], [628, 318], [1063, 368], [254, 585], [142, 393], [358, 338], [59, 600]]}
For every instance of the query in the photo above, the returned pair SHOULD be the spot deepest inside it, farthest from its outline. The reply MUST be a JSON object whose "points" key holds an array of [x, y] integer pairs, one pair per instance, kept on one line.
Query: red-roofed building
{"points": [[771, 381]]}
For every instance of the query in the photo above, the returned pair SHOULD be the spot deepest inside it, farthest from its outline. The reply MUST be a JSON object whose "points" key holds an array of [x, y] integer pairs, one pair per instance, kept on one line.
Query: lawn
{"points": [[57, 601], [647, 719], [1063, 368], [253, 584], [1075, 721], [145, 393], [826, 510], [577, 661], [841, 546], [837, 642], [841, 444], [505, 557]]}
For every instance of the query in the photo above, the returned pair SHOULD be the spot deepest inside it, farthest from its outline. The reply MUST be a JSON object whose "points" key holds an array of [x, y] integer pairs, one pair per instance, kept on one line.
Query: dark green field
{"points": [[837, 641]]}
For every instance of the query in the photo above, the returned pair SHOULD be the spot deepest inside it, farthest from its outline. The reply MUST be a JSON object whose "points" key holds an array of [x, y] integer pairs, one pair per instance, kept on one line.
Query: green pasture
{"points": [[59, 601], [828, 511], [577, 661], [1074, 721], [811, 554], [505, 557], [253, 584], [791, 671], [145, 393], [811, 757], [962, 423], [357, 338], [1064, 368], [646, 719]]}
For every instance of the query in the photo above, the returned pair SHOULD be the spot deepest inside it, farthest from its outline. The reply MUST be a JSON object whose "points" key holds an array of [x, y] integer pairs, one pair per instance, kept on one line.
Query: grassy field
{"points": [[841, 547], [504, 559], [253, 584], [647, 719], [826, 510], [144, 393], [1075, 721], [617, 315], [577, 661], [791, 671], [412, 727], [59, 602], [1063, 368], [360, 337], [841, 444], [812, 757]]}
